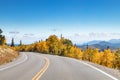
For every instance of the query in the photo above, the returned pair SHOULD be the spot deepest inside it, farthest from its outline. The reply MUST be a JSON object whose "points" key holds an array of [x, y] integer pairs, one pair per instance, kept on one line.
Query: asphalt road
{"points": [[28, 65]]}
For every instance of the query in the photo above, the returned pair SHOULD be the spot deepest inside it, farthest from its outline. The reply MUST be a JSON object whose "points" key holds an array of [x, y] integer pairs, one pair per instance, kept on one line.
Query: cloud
{"points": [[29, 34], [104, 35], [80, 35], [14, 32], [55, 29]]}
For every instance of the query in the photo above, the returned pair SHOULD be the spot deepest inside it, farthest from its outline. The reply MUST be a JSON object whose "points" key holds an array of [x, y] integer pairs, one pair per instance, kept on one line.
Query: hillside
{"points": [[7, 54]]}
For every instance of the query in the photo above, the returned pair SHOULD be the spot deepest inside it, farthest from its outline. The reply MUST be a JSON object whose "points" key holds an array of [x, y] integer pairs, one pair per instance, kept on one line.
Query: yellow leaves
{"points": [[108, 58], [117, 59], [53, 44], [96, 57], [74, 52], [78, 53], [42, 47]]}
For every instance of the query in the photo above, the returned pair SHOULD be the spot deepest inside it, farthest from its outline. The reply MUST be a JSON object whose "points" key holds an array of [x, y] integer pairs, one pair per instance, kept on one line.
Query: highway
{"points": [[35, 66]]}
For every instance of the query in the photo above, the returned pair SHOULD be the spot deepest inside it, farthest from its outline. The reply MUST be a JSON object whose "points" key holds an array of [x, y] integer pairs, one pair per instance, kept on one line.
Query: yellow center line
{"points": [[42, 71]]}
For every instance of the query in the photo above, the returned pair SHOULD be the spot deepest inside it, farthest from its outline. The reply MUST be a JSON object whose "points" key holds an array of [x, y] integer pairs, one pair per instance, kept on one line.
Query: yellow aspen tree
{"points": [[108, 58], [78, 53], [96, 56]]}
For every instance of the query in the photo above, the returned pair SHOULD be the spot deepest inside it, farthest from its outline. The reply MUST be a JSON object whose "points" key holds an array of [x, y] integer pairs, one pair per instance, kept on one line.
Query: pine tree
{"points": [[1, 32], [20, 42], [61, 36], [12, 42], [2, 38]]}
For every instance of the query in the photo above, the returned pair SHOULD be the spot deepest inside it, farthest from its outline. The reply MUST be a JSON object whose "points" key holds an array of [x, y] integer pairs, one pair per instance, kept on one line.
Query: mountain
{"points": [[114, 41], [9, 44], [93, 42], [112, 44]]}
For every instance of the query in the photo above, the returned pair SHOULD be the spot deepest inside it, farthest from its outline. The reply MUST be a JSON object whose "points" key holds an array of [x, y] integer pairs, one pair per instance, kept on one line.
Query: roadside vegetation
{"points": [[6, 53]]}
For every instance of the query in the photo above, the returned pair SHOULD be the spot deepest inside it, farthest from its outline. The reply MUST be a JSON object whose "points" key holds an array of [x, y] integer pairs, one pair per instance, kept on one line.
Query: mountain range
{"points": [[112, 44]]}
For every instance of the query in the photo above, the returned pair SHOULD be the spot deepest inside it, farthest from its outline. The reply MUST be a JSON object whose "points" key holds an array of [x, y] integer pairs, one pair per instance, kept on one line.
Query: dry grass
{"points": [[7, 54]]}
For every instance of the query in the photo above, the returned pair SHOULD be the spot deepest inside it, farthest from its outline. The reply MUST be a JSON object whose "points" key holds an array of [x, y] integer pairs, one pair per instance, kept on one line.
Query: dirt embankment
{"points": [[7, 55]]}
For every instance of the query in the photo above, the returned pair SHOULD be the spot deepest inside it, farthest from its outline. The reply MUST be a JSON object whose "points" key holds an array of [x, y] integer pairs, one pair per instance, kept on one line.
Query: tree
{"points": [[67, 42], [108, 58], [1, 31], [2, 38], [53, 43], [117, 59], [20, 43], [42, 47], [12, 43], [96, 56]]}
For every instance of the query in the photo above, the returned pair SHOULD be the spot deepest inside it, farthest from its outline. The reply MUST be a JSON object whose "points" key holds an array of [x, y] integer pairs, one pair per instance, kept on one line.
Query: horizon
{"points": [[78, 20], [82, 43]]}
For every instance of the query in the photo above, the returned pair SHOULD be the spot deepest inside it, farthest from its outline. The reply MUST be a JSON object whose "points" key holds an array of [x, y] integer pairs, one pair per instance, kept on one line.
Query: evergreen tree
{"points": [[108, 47], [1, 32], [20, 42], [87, 46], [61, 36], [12, 42], [67, 42], [2, 38]]}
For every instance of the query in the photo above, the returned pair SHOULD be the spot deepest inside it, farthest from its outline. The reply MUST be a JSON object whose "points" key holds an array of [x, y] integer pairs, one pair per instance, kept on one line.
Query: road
{"points": [[48, 67]]}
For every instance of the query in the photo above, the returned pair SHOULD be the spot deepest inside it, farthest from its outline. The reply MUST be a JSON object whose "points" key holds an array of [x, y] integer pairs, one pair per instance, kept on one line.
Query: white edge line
{"points": [[1, 69], [98, 70]]}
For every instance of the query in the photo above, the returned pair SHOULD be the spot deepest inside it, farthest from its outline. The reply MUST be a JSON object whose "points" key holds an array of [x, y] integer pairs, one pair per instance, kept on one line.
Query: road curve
{"points": [[57, 68], [25, 70]]}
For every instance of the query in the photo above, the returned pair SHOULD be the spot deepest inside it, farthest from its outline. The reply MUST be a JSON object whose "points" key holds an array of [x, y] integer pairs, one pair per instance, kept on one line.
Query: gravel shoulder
{"points": [[113, 72]]}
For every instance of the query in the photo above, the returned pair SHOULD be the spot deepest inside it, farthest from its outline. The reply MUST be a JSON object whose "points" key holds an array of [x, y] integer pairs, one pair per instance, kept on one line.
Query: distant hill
{"points": [[93, 42], [9, 44], [112, 44], [114, 41]]}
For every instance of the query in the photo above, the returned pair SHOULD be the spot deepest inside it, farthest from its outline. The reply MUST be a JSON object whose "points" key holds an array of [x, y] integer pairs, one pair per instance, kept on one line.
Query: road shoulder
{"points": [[22, 58], [114, 72]]}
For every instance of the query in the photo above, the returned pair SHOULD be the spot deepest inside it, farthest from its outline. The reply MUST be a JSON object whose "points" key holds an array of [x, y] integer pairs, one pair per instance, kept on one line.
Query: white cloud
{"points": [[14, 32], [104, 36]]}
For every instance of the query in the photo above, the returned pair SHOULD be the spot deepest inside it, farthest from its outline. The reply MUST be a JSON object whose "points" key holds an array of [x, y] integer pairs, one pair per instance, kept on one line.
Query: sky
{"points": [[77, 20]]}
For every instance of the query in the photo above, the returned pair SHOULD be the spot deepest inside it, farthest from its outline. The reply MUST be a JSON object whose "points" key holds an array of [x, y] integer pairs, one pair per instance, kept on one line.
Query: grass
{"points": [[7, 55]]}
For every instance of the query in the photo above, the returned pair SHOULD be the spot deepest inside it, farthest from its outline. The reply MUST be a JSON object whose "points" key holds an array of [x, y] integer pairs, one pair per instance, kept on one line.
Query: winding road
{"points": [[34, 66]]}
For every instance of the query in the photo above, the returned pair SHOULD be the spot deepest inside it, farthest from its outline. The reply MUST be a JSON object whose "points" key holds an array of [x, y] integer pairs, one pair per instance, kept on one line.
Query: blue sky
{"points": [[31, 20]]}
